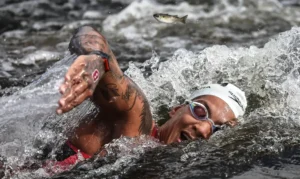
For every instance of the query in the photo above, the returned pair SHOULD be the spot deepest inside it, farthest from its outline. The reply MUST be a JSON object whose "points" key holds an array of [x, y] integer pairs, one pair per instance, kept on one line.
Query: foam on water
{"points": [[270, 72], [268, 75], [138, 14], [235, 23], [39, 56], [14, 34], [127, 21], [24, 115]]}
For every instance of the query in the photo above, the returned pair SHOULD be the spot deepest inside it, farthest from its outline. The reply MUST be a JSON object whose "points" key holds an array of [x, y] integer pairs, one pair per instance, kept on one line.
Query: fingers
{"points": [[80, 88], [63, 88], [78, 85], [72, 101], [71, 93], [76, 68], [71, 83], [74, 92]]}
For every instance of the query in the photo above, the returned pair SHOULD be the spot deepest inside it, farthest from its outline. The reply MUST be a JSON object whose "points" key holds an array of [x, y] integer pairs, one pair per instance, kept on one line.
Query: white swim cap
{"points": [[232, 95]]}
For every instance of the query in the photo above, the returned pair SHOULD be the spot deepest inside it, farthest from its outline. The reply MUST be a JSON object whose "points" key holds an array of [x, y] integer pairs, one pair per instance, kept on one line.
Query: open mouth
{"points": [[184, 136]]}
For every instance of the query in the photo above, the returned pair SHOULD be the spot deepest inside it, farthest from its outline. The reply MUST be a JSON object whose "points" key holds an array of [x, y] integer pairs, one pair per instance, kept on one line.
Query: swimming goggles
{"points": [[200, 112]]}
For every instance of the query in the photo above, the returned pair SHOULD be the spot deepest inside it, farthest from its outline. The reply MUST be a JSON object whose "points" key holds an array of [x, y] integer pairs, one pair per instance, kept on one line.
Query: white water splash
{"points": [[270, 72]]}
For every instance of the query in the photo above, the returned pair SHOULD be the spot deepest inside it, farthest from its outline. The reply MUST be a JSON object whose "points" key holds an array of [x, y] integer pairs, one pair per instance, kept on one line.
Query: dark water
{"points": [[253, 44], [34, 27], [224, 156]]}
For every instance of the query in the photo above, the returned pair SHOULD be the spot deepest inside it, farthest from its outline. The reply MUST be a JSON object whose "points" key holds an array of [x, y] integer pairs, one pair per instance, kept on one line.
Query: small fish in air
{"points": [[166, 18]]}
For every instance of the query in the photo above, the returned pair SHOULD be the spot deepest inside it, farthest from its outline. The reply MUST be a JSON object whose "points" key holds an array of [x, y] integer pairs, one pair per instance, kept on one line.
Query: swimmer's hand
{"points": [[80, 81]]}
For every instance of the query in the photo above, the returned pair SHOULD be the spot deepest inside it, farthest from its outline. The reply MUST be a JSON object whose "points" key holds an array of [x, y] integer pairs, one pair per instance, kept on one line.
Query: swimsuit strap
{"points": [[75, 149], [155, 131]]}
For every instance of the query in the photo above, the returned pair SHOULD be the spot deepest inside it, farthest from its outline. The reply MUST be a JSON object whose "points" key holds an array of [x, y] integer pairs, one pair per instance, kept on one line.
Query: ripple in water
{"points": [[266, 142]]}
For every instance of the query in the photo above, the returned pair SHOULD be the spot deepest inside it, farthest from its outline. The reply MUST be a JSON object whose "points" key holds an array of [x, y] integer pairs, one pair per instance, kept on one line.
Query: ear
{"points": [[174, 109]]}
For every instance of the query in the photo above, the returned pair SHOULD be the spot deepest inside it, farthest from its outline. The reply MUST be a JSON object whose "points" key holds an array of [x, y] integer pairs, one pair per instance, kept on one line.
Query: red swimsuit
{"points": [[74, 158]]}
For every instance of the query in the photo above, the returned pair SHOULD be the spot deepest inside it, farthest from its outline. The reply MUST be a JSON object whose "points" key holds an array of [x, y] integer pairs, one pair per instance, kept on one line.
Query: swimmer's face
{"points": [[184, 126]]}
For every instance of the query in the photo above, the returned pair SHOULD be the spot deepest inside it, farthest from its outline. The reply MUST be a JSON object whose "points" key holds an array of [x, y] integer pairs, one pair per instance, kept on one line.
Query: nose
{"points": [[155, 15], [202, 129]]}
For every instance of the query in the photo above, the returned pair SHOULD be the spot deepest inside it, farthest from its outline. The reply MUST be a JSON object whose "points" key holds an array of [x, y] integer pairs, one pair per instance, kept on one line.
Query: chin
{"points": [[168, 139], [173, 140]]}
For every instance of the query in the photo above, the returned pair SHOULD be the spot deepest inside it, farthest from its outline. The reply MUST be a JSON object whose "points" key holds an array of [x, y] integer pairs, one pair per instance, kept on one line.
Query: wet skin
{"points": [[182, 125], [125, 110]]}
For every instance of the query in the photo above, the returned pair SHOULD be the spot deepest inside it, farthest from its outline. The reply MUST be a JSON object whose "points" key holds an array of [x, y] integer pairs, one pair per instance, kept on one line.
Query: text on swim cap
{"points": [[236, 99]]}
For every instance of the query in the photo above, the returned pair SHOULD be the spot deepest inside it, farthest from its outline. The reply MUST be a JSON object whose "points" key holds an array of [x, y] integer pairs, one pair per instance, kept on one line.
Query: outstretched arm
{"points": [[88, 77]]}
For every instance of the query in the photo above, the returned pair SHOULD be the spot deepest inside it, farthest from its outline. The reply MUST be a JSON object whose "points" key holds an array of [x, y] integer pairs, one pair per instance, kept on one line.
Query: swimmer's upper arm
{"points": [[117, 93]]}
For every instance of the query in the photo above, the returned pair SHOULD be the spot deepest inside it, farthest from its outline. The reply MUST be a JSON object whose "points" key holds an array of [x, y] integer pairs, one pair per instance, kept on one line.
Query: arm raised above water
{"points": [[89, 76]]}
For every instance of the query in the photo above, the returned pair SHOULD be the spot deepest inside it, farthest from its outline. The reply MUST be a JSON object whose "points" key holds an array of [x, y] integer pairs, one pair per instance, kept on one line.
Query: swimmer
{"points": [[125, 111]]}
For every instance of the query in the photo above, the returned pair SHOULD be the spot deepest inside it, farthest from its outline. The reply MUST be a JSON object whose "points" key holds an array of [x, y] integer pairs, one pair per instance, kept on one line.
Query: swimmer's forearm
{"points": [[114, 90], [87, 40], [123, 96], [117, 92]]}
